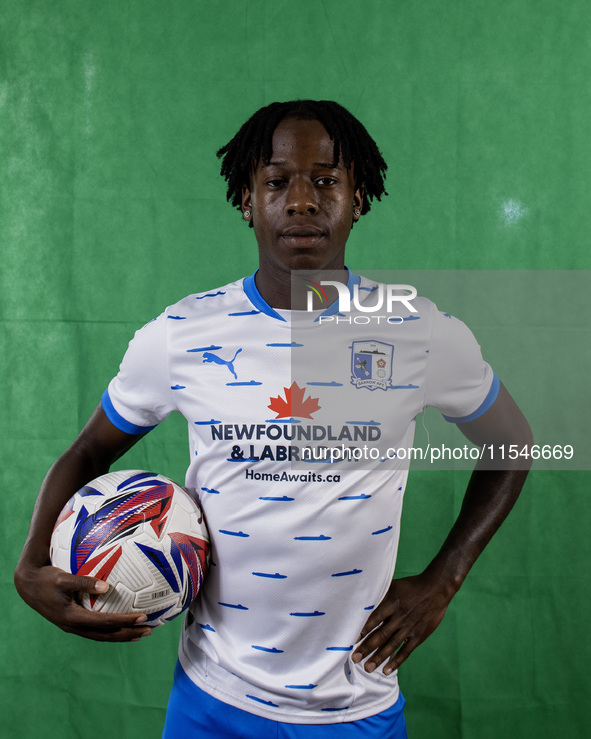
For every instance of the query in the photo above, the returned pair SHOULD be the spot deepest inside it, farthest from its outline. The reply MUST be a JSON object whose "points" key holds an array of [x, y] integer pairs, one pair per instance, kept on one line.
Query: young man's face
{"points": [[302, 203]]}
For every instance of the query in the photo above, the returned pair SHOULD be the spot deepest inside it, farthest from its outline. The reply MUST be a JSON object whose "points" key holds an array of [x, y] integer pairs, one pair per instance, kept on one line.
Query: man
{"points": [[268, 647]]}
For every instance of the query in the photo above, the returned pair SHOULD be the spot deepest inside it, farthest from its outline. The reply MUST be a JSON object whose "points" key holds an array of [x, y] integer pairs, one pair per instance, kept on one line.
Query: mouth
{"points": [[302, 235]]}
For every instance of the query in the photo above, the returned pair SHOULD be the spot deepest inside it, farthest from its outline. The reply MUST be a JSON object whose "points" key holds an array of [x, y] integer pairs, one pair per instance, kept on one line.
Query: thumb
{"points": [[85, 584]]}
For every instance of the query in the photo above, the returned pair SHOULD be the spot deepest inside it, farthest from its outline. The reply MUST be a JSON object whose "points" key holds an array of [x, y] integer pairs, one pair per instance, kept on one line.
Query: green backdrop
{"points": [[112, 207]]}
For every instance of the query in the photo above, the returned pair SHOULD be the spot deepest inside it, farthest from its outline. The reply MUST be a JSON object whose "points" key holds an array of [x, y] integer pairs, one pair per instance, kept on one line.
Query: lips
{"points": [[302, 231], [302, 235]]}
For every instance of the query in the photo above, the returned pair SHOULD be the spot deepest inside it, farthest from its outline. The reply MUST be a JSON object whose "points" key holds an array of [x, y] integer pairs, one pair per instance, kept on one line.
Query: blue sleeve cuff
{"points": [[118, 421], [484, 406]]}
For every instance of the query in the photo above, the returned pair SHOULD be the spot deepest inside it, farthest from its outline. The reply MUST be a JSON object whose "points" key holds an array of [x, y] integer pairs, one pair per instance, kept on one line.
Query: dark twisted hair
{"points": [[254, 141]]}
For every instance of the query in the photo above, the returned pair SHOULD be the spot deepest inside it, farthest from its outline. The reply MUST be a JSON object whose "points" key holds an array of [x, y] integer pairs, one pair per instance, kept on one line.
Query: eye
{"points": [[326, 181], [274, 183]]}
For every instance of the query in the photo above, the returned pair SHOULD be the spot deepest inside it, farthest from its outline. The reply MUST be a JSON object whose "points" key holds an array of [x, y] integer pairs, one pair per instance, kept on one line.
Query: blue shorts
{"points": [[194, 714]]}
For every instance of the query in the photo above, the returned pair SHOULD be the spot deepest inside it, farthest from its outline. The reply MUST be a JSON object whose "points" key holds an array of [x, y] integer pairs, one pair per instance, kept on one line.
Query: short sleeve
{"points": [[140, 397], [460, 383]]}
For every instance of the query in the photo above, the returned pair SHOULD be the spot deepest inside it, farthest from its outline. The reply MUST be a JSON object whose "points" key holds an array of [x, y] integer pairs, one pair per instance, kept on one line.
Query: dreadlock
{"points": [[254, 141]]}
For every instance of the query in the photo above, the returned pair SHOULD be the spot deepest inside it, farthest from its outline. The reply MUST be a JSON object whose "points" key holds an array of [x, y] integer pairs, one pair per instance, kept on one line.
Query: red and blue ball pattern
{"points": [[141, 533]]}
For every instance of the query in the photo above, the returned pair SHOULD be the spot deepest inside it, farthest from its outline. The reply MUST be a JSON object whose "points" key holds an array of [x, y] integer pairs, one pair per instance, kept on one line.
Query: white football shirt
{"points": [[301, 553]]}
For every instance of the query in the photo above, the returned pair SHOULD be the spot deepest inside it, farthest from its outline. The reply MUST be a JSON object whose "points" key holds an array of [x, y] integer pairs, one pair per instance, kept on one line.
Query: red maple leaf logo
{"points": [[294, 403]]}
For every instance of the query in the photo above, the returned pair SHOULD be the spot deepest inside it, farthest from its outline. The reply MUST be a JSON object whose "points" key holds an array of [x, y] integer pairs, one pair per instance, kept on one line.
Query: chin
{"points": [[311, 261], [306, 262]]}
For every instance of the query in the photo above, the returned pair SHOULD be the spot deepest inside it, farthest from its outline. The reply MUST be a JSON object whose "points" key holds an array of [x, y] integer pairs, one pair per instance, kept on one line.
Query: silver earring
{"points": [[356, 212], [246, 214]]}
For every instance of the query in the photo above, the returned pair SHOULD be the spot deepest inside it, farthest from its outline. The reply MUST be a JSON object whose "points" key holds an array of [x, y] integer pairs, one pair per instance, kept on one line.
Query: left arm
{"points": [[414, 606]]}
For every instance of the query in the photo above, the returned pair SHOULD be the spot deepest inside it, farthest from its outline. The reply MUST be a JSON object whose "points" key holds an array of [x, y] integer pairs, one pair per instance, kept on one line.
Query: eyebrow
{"points": [[324, 165]]}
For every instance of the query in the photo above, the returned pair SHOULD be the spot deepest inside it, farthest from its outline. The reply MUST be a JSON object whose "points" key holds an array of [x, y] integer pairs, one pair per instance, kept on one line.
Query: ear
{"points": [[358, 200], [246, 203]]}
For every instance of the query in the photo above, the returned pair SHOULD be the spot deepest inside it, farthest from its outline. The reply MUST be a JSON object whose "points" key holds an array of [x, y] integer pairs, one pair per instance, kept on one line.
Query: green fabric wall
{"points": [[112, 207]]}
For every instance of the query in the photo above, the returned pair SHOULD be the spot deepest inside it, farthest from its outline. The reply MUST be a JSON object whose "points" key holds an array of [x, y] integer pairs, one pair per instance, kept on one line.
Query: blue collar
{"points": [[253, 294]]}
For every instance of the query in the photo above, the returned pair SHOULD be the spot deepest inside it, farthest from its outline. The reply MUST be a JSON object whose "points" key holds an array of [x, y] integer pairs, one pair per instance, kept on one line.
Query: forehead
{"points": [[301, 141]]}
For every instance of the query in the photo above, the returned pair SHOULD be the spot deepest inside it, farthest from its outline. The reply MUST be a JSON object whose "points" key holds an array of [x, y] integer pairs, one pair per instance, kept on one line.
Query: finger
{"points": [[68, 583], [401, 656], [381, 644], [118, 635], [376, 618], [386, 650], [80, 617], [386, 612], [105, 626], [80, 584], [379, 635], [370, 625], [362, 651]]}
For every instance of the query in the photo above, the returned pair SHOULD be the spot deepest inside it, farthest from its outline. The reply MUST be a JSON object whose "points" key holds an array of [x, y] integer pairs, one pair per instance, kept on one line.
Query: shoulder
{"points": [[216, 294], [206, 302]]}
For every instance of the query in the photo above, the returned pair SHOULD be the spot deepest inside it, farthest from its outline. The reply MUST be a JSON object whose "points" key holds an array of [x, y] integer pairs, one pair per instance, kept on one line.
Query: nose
{"points": [[301, 198]]}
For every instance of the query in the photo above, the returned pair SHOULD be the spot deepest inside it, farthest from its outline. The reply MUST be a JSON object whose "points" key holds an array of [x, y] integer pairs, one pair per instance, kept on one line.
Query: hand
{"points": [[55, 595], [411, 611]]}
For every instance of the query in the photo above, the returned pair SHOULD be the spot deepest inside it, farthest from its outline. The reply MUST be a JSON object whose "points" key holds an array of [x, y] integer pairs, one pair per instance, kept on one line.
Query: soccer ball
{"points": [[141, 533]]}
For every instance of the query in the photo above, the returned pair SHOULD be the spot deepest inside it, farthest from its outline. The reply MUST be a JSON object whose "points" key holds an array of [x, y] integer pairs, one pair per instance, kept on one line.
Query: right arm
{"points": [[49, 590]]}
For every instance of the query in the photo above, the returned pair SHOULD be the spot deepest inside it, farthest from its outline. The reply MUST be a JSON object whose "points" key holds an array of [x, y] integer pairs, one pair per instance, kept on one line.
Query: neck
{"points": [[286, 290], [275, 288]]}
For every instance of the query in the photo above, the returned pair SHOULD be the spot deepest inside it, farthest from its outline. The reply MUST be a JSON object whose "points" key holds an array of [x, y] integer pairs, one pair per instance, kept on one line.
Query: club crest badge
{"points": [[371, 364]]}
